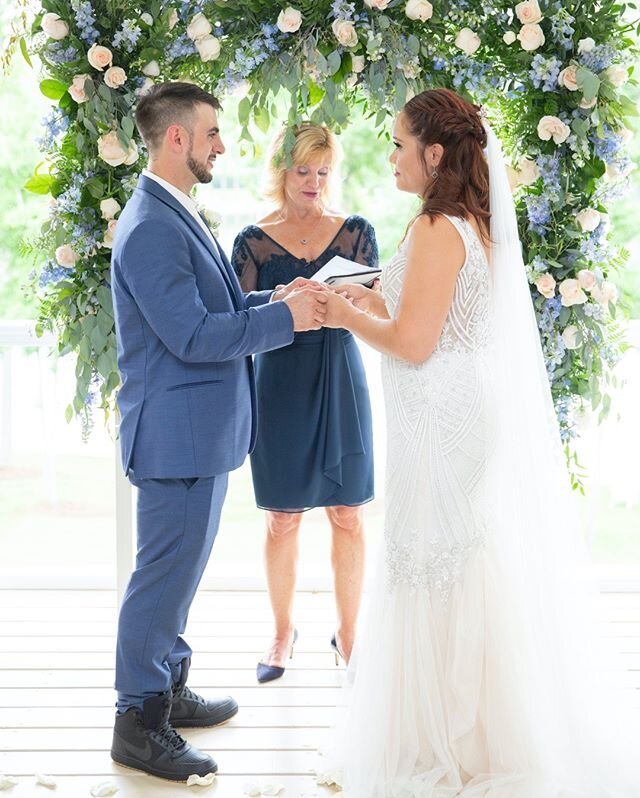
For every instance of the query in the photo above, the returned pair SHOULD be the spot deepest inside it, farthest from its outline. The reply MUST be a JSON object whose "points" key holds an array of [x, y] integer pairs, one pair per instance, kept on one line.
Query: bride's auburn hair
{"points": [[440, 116]]}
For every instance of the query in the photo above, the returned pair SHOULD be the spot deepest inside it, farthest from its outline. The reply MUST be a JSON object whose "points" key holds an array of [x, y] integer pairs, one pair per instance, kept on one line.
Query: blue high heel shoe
{"points": [[336, 651], [267, 673]]}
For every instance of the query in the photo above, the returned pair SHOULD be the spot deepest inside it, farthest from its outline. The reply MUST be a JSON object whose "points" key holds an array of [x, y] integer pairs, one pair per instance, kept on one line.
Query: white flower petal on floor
{"points": [[272, 789], [7, 782], [252, 788], [201, 781], [103, 789], [46, 781]]}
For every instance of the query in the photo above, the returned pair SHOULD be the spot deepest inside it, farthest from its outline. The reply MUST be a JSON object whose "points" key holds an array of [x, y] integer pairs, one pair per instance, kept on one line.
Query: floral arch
{"points": [[551, 74]]}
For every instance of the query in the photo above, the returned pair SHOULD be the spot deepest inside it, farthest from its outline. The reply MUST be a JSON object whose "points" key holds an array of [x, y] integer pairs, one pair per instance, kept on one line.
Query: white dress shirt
{"points": [[184, 199]]}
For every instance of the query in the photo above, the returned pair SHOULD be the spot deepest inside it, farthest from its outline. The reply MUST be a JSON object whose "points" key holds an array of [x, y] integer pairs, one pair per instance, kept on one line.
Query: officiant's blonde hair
{"points": [[296, 146]]}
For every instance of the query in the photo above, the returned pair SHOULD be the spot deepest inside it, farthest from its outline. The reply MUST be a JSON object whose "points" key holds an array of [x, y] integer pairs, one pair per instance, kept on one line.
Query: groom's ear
{"points": [[176, 137]]}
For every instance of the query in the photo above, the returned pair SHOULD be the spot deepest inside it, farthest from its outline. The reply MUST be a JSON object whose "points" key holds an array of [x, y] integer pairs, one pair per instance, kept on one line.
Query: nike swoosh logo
{"points": [[143, 752]]}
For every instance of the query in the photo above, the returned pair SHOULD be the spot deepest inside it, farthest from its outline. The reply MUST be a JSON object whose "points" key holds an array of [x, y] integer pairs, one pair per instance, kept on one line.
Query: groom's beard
{"points": [[199, 170]]}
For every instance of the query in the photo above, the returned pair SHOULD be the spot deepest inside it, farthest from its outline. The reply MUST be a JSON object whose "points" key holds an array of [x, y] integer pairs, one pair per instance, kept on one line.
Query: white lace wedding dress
{"points": [[443, 696]]}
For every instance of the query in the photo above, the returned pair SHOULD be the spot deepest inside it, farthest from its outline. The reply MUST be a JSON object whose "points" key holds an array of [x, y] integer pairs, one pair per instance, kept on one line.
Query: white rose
{"points": [[115, 77], [76, 89], [617, 74], [587, 279], [552, 127], [198, 27], [586, 45], [570, 336], [289, 20], [379, 4], [587, 104], [509, 37], [571, 293], [147, 18], [467, 40], [528, 171], [568, 78], [345, 32], [626, 135], [606, 293], [512, 175], [111, 151], [54, 27], [66, 256], [132, 154], [357, 63], [152, 69], [109, 208], [208, 47], [531, 37], [528, 12], [99, 56], [546, 284], [107, 240], [144, 88], [419, 9], [173, 19], [588, 219]]}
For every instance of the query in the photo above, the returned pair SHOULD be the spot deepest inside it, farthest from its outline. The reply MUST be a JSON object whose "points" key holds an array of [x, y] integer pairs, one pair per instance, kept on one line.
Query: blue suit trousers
{"points": [[178, 521]]}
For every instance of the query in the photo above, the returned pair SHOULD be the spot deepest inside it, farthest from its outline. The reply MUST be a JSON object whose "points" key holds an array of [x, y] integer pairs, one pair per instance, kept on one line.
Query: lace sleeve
{"points": [[366, 250], [244, 264]]}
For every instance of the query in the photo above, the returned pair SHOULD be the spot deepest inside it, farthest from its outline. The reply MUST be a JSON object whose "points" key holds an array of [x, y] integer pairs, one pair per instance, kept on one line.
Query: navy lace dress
{"points": [[314, 446]]}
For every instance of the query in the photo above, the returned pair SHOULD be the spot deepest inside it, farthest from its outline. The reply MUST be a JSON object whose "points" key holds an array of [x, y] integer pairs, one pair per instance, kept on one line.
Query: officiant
{"points": [[314, 446]]}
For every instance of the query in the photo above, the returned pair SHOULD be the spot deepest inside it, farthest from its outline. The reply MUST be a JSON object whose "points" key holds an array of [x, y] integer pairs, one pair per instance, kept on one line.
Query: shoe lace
{"points": [[187, 692], [168, 735]]}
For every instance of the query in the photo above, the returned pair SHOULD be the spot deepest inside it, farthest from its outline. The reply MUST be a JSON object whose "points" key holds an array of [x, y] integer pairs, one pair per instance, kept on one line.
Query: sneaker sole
{"points": [[196, 724], [130, 765]]}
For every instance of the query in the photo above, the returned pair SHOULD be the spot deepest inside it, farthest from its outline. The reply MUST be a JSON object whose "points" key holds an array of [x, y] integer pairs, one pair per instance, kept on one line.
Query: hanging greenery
{"points": [[551, 75]]}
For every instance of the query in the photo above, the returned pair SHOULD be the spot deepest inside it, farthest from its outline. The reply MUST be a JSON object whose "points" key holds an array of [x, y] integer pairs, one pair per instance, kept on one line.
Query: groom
{"points": [[187, 404]]}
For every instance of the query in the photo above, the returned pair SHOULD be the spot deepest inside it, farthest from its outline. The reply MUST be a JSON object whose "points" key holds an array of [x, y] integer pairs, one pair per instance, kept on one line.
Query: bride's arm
{"points": [[435, 255]]}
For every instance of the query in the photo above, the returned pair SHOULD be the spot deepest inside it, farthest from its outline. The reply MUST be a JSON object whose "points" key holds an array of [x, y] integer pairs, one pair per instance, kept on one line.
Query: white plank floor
{"points": [[56, 699]]}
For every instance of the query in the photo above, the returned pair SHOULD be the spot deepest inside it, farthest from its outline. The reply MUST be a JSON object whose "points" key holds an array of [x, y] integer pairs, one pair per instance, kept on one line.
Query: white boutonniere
{"points": [[212, 218]]}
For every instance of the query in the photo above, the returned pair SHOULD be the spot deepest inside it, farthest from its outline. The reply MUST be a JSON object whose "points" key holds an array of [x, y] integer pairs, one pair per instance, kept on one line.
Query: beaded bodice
{"points": [[438, 433]]}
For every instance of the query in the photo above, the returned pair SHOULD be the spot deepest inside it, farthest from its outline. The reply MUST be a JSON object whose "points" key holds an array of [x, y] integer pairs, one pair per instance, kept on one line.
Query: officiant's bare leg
{"points": [[347, 557], [281, 559]]}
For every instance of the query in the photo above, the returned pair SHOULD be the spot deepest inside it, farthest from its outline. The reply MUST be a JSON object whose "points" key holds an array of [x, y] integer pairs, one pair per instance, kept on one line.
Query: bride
{"points": [[475, 674]]}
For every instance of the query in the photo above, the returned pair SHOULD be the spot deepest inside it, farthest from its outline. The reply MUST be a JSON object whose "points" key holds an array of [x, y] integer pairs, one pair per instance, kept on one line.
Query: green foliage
{"points": [[382, 59]]}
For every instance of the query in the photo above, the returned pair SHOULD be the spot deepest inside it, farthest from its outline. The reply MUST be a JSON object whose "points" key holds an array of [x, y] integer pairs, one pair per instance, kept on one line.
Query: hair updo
{"points": [[440, 116]]}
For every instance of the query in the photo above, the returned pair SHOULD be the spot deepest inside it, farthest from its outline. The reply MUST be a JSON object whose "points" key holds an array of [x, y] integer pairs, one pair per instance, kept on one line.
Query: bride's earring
{"points": [[434, 173]]}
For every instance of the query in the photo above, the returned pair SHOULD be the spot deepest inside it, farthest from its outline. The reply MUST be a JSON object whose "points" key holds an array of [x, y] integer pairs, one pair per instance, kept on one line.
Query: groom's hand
{"points": [[283, 291], [308, 308]]}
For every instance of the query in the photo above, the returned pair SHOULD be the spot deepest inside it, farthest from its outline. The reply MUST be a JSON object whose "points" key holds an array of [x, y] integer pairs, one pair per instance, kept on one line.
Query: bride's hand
{"points": [[339, 311], [358, 295]]}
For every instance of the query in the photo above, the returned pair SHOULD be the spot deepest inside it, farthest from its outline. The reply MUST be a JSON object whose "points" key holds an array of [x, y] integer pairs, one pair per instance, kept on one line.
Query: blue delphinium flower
{"points": [[562, 29], [544, 72], [549, 166], [599, 58], [52, 273], [85, 20], [180, 47], [607, 146], [56, 53], [128, 35], [538, 212], [342, 9], [55, 124], [473, 75], [439, 63]]}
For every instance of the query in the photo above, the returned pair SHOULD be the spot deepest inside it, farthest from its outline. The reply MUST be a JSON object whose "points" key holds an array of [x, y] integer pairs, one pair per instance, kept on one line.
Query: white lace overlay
{"points": [[437, 426]]}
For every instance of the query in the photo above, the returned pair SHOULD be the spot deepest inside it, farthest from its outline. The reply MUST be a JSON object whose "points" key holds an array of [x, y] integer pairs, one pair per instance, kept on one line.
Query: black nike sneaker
{"points": [[144, 740], [189, 710]]}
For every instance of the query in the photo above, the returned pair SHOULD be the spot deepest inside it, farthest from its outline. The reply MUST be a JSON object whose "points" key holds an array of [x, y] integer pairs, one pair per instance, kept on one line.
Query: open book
{"points": [[339, 271]]}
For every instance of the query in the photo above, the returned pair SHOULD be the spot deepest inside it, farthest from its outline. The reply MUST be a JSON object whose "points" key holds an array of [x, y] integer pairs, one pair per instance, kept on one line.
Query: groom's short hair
{"points": [[168, 104]]}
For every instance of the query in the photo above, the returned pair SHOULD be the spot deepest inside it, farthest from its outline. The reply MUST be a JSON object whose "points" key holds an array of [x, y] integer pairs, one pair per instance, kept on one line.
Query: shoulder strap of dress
{"points": [[462, 226]]}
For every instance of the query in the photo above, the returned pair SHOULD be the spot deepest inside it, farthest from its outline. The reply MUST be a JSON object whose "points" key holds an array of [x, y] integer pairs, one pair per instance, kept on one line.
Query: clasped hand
{"points": [[314, 305]]}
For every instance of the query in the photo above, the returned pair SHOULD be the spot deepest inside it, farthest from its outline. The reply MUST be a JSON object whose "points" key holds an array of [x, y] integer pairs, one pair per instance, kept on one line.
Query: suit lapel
{"points": [[154, 188]]}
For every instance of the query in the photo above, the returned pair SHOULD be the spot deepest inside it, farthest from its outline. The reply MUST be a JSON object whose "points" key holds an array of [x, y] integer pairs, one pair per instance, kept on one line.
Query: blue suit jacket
{"points": [[185, 332]]}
